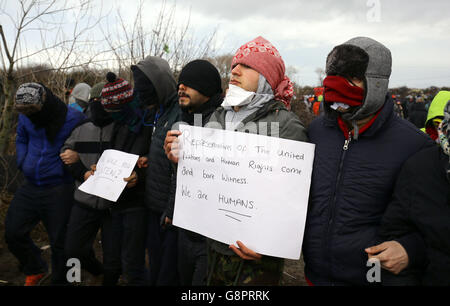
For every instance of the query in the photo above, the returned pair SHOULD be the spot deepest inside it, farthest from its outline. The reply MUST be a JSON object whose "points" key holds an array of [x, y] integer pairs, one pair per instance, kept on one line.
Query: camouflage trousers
{"points": [[226, 270]]}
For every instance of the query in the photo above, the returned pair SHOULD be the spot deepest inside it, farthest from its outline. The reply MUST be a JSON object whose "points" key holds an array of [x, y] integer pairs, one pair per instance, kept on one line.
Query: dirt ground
{"points": [[11, 276]]}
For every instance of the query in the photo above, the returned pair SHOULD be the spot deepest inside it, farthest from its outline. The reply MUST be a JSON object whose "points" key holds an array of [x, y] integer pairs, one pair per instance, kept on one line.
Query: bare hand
{"points": [[142, 162], [87, 174], [69, 157], [171, 145], [132, 180], [391, 254], [167, 221], [244, 252]]}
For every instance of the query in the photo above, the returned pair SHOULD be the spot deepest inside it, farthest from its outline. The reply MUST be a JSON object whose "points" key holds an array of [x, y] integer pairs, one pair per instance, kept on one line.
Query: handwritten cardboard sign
{"points": [[107, 181], [237, 186]]}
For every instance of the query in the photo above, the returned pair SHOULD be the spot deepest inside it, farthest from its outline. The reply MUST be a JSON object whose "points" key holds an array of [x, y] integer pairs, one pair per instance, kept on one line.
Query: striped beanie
{"points": [[116, 93]]}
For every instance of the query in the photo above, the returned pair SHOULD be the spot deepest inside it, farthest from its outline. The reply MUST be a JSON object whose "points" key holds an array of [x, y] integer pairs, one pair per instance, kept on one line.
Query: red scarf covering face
{"points": [[338, 89]]}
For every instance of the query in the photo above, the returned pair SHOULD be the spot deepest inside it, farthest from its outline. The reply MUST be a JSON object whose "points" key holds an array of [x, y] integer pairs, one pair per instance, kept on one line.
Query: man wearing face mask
{"points": [[156, 88], [360, 147], [89, 213], [45, 122], [259, 92]]}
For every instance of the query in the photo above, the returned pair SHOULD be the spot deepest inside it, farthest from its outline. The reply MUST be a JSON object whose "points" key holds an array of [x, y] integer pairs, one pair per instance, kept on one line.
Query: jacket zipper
{"points": [[333, 204]]}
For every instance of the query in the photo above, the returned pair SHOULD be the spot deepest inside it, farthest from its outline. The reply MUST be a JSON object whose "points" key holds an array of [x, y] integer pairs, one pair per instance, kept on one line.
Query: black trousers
{"points": [[162, 252], [123, 242], [192, 259], [30, 205], [84, 224]]}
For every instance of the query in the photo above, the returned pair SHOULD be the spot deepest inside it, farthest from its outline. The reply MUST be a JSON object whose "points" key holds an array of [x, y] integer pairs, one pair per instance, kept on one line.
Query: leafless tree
{"points": [[133, 41], [223, 65], [320, 75], [53, 34]]}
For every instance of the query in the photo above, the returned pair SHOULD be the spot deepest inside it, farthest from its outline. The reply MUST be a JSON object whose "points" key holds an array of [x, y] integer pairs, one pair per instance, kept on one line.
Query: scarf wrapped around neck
{"points": [[130, 115]]}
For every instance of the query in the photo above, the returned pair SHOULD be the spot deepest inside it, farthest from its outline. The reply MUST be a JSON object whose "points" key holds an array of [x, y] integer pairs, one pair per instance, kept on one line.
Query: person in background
{"points": [[418, 113], [79, 97], [68, 87], [436, 114]]}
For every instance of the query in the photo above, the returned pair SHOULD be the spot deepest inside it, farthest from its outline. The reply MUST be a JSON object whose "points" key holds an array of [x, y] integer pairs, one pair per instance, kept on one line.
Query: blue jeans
{"points": [[31, 204]]}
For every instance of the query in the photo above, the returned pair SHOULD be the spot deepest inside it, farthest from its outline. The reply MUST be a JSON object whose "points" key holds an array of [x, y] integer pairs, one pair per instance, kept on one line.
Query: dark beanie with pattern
{"points": [[202, 76], [116, 93]]}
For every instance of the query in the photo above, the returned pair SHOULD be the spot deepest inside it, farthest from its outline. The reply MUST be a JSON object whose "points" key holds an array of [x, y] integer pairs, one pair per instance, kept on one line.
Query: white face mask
{"points": [[236, 96]]}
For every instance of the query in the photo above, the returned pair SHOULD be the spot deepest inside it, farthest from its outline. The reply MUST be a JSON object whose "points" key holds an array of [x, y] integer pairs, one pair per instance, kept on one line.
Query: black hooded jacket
{"points": [[206, 110], [421, 206], [159, 171]]}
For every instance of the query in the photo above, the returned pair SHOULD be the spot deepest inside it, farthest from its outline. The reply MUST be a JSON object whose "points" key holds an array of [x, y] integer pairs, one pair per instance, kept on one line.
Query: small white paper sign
{"points": [[107, 181], [238, 186]]}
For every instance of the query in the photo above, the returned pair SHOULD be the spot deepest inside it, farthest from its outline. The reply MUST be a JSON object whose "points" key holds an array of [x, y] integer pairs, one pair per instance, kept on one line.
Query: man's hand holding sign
{"points": [[111, 175]]}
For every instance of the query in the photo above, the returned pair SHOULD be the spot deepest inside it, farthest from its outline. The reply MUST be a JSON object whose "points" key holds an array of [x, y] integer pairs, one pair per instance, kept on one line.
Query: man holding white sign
{"points": [[200, 93], [122, 215], [257, 101]]}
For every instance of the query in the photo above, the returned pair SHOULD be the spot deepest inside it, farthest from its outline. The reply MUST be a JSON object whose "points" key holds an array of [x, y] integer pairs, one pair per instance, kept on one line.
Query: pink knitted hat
{"points": [[260, 55]]}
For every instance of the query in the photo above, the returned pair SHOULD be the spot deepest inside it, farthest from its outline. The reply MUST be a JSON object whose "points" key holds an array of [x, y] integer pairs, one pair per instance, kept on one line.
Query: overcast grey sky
{"points": [[417, 32]]}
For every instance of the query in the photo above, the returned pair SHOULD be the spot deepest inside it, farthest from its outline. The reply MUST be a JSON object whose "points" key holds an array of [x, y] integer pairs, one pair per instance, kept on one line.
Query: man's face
{"points": [[245, 77], [189, 98]]}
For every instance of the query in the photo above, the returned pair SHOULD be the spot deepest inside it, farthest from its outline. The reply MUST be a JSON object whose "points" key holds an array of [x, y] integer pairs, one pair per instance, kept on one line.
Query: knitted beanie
{"points": [[260, 55], [29, 94], [96, 90], [81, 92], [116, 93], [202, 76]]}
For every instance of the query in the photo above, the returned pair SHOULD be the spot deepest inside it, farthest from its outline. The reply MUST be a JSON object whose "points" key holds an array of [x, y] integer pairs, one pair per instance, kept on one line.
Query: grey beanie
{"points": [[81, 92], [376, 74]]}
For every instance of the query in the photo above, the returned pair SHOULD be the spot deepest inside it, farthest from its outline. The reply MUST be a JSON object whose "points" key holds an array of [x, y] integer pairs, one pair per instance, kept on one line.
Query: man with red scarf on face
{"points": [[360, 148]]}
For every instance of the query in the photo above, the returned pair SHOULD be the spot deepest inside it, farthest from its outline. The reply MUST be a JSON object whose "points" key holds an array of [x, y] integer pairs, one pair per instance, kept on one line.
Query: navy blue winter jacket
{"points": [[350, 190], [37, 157]]}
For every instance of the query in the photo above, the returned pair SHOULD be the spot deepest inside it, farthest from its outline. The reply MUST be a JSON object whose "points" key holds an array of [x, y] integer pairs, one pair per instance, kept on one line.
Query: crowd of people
{"points": [[379, 188]]}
